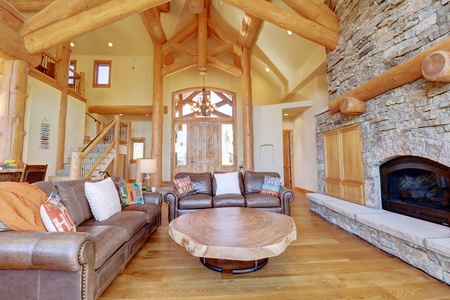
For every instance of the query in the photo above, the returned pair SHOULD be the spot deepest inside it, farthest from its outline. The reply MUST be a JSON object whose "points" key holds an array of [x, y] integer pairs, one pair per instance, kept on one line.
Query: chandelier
{"points": [[203, 107]]}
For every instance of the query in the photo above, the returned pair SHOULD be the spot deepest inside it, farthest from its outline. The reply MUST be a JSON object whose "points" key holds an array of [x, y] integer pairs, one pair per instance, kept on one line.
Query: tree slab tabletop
{"points": [[233, 233]]}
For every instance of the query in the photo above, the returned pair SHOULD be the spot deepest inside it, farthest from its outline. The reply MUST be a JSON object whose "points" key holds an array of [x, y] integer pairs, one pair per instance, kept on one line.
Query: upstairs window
{"points": [[102, 73]]}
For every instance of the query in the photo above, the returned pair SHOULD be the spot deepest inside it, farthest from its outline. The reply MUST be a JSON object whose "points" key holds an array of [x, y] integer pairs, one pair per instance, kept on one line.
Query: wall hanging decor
{"points": [[45, 134]]}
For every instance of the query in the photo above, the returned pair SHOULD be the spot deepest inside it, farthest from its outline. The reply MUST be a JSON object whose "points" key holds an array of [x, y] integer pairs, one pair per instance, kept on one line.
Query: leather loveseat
{"points": [[205, 195], [74, 265]]}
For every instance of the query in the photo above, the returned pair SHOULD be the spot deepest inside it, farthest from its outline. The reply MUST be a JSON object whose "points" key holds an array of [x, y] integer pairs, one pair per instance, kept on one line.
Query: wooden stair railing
{"points": [[76, 170]]}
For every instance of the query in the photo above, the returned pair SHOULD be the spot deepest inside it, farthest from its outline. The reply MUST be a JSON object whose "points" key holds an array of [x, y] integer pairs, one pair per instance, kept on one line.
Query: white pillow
{"points": [[227, 183], [103, 198]]}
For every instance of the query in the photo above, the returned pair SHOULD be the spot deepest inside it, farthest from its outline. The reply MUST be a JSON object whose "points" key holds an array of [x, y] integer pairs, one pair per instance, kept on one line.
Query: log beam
{"points": [[247, 110], [99, 16], [436, 67], [202, 39], [180, 37], [352, 106], [220, 64], [12, 109], [316, 12], [405, 72], [138, 110], [196, 6], [250, 28], [289, 21], [180, 66], [185, 49], [152, 21], [157, 119], [222, 36], [58, 10], [30, 5], [225, 48]]}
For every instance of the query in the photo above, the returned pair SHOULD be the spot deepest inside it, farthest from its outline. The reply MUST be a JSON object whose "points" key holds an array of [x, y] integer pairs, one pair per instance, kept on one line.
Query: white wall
{"points": [[305, 151], [268, 135], [43, 103]]}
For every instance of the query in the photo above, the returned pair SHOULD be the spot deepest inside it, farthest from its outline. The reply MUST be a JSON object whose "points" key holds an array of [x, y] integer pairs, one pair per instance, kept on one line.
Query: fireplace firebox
{"points": [[417, 187]]}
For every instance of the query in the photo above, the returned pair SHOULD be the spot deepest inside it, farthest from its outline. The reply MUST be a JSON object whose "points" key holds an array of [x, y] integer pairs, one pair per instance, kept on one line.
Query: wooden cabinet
{"points": [[344, 168]]}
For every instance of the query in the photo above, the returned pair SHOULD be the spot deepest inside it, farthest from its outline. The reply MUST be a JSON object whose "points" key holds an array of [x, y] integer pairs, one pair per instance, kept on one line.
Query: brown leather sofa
{"points": [[74, 265], [205, 196]]}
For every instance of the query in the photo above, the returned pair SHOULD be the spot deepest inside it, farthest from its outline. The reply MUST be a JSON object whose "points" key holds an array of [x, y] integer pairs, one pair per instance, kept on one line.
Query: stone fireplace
{"points": [[416, 187], [412, 120]]}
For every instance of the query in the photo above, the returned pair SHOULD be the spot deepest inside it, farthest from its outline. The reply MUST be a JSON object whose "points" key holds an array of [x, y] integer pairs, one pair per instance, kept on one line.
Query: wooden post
{"points": [[247, 109], [157, 117], [63, 53], [115, 168], [126, 174], [82, 85], [202, 38], [436, 67], [12, 109]]}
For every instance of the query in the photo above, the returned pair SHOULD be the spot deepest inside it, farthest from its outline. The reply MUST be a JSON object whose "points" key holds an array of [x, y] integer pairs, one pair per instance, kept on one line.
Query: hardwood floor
{"points": [[325, 262]]}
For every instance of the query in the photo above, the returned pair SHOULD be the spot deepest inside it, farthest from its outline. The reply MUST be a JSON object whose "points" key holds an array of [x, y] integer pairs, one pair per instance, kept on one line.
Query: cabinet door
{"points": [[352, 174], [332, 164]]}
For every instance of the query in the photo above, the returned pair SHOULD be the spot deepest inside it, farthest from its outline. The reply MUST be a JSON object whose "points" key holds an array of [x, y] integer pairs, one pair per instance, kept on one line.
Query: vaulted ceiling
{"points": [[226, 25]]}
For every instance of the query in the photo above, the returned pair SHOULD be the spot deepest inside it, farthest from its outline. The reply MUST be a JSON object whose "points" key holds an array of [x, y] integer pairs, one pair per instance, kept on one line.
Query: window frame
{"points": [[133, 141], [97, 64]]}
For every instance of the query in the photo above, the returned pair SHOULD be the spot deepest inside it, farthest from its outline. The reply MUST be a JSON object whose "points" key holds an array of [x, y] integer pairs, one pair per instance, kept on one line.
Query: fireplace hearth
{"points": [[416, 187]]}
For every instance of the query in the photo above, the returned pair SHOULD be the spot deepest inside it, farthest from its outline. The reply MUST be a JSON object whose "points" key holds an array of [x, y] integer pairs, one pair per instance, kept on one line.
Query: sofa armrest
{"points": [[171, 198], [152, 198], [286, 196], [61, 251]]}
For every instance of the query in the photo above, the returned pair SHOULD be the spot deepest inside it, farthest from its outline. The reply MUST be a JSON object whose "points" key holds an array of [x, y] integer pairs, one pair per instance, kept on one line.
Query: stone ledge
{"points": [[420, 243]]}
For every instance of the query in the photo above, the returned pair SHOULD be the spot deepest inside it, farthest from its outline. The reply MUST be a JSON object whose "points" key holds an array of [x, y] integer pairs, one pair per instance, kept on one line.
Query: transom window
{"points": [[201, 103]]}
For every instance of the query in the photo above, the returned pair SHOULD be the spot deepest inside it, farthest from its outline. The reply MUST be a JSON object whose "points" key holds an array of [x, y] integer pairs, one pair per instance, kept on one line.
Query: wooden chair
{"points": [[34, 173]]}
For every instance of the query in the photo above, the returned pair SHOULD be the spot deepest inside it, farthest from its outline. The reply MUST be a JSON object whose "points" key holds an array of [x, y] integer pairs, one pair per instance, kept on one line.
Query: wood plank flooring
{"points": [[325, 262]]}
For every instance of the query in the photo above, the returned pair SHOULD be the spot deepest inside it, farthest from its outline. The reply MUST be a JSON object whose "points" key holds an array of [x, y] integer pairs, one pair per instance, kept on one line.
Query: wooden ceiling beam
{"points": [[202, 42], [186, 49], [139, 110], [12, 44], [72, 27], [221, 65], [30, 5], [180, 37], [222, 36], [180, 66], [58, 10], [250, 28], [151, 19], [290, 21], [225, 48], [316, 12]]}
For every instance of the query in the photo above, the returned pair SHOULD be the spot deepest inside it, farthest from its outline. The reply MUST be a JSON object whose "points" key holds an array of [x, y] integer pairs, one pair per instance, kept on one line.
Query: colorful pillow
{"points": [[271, 186], [227, 183], [131, 194], [184, 186], [103, 198], [55, 216]]}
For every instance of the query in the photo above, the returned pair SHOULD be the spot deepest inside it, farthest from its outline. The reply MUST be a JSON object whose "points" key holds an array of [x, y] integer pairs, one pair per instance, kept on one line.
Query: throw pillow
{"points": [[184, 186], [227, 183], [271, 186], [55, 216], [130, 193], [103, 198]]}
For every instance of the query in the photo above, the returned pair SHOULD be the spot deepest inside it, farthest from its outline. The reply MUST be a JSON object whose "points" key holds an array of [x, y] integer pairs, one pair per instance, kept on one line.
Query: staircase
{"points": [[88, 162]]}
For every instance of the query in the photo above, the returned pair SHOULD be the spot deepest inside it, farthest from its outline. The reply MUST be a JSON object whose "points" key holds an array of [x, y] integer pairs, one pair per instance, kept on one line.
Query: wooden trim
{"points": [[123, 109], [95, 83]]}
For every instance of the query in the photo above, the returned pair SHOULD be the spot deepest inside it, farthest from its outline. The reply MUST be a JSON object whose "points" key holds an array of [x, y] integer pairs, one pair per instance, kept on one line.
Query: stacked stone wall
{"points": [[413, 119]]}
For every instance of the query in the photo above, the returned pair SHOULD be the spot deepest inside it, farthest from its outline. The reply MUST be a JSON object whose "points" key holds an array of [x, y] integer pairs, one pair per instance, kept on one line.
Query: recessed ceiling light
{"points": [[267, 69], [286, 114], [72, 44], [110, 44], [289, 32]]}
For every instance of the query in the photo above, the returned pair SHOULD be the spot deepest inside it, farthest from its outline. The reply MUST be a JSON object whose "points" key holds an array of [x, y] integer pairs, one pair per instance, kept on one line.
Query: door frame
{"points": [[290, 154]]}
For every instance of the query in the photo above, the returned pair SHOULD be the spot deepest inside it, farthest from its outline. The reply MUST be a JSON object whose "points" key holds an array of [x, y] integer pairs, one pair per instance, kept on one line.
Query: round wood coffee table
{"points": [[233, 233]]}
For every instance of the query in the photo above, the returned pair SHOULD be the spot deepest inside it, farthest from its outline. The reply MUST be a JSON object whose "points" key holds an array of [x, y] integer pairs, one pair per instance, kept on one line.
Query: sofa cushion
{"points": [[47, 187], [261, 200], [229, 200], [271, 186], [107, 240], [130, 193], [103, 198], [227, 183], [253, 181], [55, 216], [240, 177], [131, 221], [74, 199], [202, 182], [184, 186], [152, 211], [195, 201]]}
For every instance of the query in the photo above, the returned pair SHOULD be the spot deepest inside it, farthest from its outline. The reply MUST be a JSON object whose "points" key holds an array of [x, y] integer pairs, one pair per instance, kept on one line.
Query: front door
{"points": [[204, 147]]}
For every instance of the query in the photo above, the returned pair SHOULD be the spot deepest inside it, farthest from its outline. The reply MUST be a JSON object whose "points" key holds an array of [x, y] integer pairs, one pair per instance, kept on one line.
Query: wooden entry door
{"points": [[204, 147]]}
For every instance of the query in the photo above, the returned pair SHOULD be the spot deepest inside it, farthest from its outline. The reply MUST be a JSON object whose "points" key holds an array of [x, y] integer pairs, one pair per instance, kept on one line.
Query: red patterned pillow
{"points": [[55, 216], [184, 186], [271, 186]]}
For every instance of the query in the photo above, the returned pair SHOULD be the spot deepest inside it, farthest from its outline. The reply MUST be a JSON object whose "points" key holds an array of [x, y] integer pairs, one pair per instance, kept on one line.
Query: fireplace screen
{"points": [[416, 187]]}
